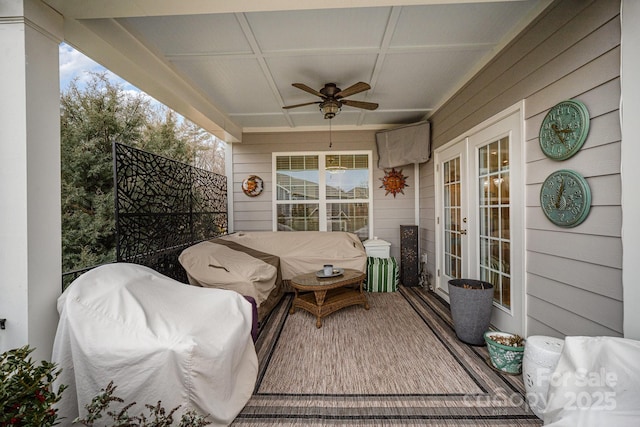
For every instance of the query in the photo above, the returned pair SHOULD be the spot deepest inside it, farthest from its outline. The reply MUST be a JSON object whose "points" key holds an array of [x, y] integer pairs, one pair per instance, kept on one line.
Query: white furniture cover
{"points": [[595, 384], [157, 340]]}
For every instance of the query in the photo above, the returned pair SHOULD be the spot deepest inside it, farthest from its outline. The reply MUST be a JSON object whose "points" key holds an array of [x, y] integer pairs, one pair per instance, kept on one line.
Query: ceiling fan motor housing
{"points": [[330, 89]]}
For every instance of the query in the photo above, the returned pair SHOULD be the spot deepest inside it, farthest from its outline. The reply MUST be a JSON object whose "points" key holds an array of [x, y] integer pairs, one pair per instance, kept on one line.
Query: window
{"points": [[323, 192]]}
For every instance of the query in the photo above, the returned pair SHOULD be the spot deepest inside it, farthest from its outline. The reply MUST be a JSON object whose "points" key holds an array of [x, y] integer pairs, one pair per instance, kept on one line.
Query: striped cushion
{"points": [[382, 275]]}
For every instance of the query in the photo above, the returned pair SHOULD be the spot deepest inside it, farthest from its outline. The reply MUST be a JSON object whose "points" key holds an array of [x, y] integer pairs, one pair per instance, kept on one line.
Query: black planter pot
{"points": [[471, 303]]}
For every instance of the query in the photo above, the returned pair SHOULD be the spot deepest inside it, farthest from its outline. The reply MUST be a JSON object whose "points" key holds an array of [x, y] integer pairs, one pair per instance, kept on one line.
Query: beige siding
{"points": [[253, 157], [574, 280]]}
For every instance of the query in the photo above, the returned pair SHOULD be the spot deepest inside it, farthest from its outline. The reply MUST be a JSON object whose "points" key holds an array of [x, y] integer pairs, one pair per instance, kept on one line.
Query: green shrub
{"points": [[27, 398], [26, 394], [158, 417]]}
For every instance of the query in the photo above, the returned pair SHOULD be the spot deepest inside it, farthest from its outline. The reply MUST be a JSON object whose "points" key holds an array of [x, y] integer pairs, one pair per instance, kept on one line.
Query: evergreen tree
{"points": [[208, 150], [92, 118], [162, 136]]}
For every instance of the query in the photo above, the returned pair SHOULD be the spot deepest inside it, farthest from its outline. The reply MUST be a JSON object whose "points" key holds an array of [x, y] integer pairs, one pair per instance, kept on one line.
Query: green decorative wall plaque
{"points": [[564, 130], [565, 198]]}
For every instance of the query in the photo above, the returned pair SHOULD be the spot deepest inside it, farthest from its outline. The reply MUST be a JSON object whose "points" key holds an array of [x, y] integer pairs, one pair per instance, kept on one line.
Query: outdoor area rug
{"points": [[398, 363]]}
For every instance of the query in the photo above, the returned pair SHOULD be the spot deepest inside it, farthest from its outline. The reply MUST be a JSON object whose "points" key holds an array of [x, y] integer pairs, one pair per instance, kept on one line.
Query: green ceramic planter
{"points": [[505, 358]]}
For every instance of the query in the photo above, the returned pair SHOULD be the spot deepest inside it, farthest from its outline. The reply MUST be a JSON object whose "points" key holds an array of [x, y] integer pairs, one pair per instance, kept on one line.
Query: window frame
{"points": [[322, 200]]}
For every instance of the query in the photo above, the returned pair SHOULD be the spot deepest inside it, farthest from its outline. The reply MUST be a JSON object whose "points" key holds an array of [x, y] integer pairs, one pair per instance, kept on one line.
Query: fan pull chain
{"points": [[330, 142]]}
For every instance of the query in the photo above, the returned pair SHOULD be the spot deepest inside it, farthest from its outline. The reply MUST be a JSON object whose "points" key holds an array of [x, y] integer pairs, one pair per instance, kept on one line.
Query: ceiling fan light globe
{"points": [[329, 109]]}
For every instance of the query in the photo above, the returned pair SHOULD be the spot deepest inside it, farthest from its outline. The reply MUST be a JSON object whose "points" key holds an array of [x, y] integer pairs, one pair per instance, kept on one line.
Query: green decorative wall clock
{"points": [[565, 198], [564, 129]]}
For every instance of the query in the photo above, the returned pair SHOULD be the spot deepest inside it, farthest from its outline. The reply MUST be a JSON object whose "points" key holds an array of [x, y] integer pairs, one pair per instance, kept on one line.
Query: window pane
{"points": [[484, 251], [504, 188], [504, 229], [484, 230], [297, 178], [350, 217], [506, 258], [483, 160], [447, 242], [484, 191], [504, 154], [347, 176], [494, 157], [298, 217], [506, 292], [494, 195], [496, 290]]}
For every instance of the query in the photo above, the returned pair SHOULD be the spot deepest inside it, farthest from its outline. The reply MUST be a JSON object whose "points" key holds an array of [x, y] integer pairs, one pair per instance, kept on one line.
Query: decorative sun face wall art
{"points": [[394, 182]]}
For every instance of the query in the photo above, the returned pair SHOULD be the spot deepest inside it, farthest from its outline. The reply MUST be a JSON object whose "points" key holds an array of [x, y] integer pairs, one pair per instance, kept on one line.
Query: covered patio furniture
{"points": [[158, 340]]}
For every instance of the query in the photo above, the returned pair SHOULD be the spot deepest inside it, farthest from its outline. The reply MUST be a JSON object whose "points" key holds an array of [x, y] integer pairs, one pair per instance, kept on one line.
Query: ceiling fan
{"points": [[333, 98]]}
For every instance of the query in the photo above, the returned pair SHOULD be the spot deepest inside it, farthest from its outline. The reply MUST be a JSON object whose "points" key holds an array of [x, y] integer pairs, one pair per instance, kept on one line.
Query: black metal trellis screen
{"points": [[162, 207]]}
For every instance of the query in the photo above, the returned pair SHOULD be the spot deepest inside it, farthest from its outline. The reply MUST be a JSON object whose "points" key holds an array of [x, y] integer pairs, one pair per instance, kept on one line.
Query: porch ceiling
{"points": [[229, 65]]}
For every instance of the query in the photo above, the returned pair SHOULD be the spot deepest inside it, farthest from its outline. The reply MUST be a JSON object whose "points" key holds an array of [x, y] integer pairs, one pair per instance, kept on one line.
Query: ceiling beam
{"points": [[110, 44], [382, 55], [255, 47], [96, 9]]}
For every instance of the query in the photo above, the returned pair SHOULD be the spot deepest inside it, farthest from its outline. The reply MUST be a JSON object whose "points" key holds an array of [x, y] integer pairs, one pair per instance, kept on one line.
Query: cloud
{"points": [[74, 64]]}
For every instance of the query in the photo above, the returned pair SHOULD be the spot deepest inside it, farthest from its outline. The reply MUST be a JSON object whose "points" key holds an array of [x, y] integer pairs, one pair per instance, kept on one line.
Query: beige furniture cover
{"points": [[213, 264], [303, 252], [257, 263]]}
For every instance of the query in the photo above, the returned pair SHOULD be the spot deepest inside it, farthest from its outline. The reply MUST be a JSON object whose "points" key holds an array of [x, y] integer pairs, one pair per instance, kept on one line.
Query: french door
{"points": [[479, 215], [453, 218]]}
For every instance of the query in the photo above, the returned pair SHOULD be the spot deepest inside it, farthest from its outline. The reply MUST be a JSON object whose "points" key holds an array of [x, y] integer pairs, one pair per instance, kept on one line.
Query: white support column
{"points": [[30, 243], [416, 189], [630, 110], [228, 171]]}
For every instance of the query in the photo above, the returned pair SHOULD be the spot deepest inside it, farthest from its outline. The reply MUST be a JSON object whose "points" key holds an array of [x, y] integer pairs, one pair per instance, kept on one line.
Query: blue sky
{"points": [[75, 64]]}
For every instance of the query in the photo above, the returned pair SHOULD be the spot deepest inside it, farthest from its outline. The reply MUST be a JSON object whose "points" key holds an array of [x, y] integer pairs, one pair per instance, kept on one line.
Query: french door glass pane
{"points": [[506, 292], [350, 217], [298, 217], [493, 211], [452, 218]]}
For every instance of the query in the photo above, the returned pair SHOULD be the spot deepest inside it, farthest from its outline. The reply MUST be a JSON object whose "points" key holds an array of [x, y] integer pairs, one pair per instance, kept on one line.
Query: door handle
{"points": [[463, 232]]}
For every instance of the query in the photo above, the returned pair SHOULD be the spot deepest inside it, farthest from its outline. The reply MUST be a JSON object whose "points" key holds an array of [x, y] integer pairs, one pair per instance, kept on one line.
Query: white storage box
{"points": [[377, 248]]}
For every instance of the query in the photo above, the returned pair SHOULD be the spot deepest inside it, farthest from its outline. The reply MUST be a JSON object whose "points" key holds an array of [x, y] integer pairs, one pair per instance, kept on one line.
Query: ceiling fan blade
{"points": [[306, 88], [360, 104], [353, 89], [286, 107]]}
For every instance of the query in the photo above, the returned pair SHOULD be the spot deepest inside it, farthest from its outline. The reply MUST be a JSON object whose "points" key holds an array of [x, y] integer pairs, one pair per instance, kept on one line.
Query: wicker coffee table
{"points": [[323, 296]]}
